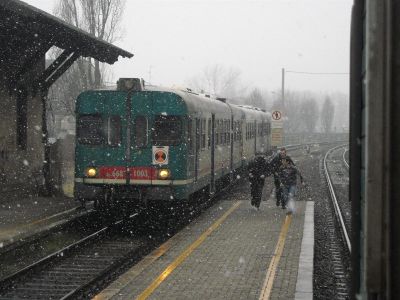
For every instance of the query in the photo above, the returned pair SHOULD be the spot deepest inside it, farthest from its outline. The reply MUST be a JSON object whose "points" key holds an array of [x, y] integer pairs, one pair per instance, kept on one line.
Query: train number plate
{"points": [[135, 172]]}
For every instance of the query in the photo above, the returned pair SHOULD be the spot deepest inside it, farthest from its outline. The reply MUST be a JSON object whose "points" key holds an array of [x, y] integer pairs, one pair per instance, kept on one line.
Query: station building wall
{"points": [[21, 147]]}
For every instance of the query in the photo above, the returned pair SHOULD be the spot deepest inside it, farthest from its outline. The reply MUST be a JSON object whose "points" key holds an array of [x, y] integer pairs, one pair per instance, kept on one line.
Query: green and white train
{"points": [[155, 144]]}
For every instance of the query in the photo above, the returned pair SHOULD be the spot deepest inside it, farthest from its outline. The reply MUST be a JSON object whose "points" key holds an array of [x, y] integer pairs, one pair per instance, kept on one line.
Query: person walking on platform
{"points": [[288, 177], [275, 164], [257, 173]]}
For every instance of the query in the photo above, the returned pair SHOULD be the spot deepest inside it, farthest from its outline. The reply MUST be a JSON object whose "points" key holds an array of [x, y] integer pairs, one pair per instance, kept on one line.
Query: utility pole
{"points": [[283, 88], [150, 73]]}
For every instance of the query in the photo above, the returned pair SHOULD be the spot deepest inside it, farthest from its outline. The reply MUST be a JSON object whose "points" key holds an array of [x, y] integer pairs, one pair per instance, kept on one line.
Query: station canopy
{"points": [[27, 33]]}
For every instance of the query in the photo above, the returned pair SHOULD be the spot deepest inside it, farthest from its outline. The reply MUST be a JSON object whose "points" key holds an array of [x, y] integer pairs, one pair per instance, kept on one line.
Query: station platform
{"points": [[23, 217], [230, 252]]}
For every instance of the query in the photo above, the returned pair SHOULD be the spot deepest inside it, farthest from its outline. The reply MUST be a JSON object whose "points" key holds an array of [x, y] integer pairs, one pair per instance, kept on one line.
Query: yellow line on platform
{"points": [[269, 279], [151, 288]]}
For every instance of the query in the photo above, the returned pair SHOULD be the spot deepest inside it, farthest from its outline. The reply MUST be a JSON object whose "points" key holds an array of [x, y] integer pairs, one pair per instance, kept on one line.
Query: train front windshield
{"points": [[96, 130], [167, 130], [90, 130]]}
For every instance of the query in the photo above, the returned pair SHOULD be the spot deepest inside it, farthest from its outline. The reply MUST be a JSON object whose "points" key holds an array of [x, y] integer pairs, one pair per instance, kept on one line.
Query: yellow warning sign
{"points": [[276, 136]]}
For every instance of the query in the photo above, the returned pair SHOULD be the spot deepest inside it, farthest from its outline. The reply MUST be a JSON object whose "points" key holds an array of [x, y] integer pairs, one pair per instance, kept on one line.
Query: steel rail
{"points": [[334, 200], [344, 159], [9, 280]]}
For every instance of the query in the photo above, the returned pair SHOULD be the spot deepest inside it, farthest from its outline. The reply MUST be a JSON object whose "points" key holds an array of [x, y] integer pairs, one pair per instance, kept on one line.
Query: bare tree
{"points": [[218, 80], [100, 18], [257, 99], [327, 115], [309, 114]]}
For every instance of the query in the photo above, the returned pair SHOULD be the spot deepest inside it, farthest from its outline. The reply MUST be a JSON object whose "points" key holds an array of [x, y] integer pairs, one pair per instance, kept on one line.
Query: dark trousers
{"points": [[278, 190], [256, 187]]}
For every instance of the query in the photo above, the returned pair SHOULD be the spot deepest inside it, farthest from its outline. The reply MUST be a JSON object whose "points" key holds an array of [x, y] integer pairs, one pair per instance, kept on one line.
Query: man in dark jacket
{"points": [[275, 164], [288, 176], [257, 173]]}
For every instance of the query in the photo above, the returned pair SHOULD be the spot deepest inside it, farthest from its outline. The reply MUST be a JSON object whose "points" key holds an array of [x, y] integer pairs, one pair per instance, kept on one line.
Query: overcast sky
{"points": [[174, 40]]}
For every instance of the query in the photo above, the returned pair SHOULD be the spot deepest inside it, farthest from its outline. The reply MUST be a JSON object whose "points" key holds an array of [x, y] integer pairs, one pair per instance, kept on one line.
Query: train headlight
{"points": [[91, 172], [164, 173]]}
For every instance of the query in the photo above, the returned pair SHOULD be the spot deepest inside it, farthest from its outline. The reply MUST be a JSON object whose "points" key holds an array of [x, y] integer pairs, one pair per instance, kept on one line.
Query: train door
{"points": [[231, 139], [117, 121], [255, 136], [143, 123], [191, 149], [242, 132], [197, 148], [212, 146]]}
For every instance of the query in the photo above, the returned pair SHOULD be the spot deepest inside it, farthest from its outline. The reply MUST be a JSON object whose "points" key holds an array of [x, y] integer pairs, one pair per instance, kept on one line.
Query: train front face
{"points": [[134, 149]]}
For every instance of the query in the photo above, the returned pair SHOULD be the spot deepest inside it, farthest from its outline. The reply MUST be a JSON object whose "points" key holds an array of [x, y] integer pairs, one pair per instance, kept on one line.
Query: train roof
{"points": [[199, 102]]}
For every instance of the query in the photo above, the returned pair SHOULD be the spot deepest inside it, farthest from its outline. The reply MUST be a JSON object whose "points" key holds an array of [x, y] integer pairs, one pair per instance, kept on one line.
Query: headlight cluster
{"points": [[164, 173], [91, 172]]}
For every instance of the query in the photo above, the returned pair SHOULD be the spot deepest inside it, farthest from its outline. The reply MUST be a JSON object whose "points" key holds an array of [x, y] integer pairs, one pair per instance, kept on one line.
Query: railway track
{"points": [[80, 268], [68, 272], [345, 161], [337, 179], [338, 230]]}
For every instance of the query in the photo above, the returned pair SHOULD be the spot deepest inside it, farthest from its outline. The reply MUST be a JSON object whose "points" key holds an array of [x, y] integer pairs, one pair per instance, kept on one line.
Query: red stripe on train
{"points": [[119, 173]]}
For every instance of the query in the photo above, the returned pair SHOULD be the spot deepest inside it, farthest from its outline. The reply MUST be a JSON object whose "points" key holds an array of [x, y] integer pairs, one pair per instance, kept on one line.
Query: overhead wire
{"points": [[317, 73]]}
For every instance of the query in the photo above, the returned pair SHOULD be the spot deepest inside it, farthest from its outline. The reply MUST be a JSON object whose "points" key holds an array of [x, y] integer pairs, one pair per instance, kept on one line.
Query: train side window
{"points": [[140, 131], [223, 137], [189, 135], [167, 130], [203, 133], [209, 133], [250, 131], [114, 131], [216, 133], [90, 130], [228, 131], [220, 131], [234, 131], [217, 129]]}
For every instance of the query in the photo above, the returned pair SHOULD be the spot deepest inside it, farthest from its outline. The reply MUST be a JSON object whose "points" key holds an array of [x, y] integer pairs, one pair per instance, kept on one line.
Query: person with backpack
{"points": [[288, 179], [274, 165]]}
